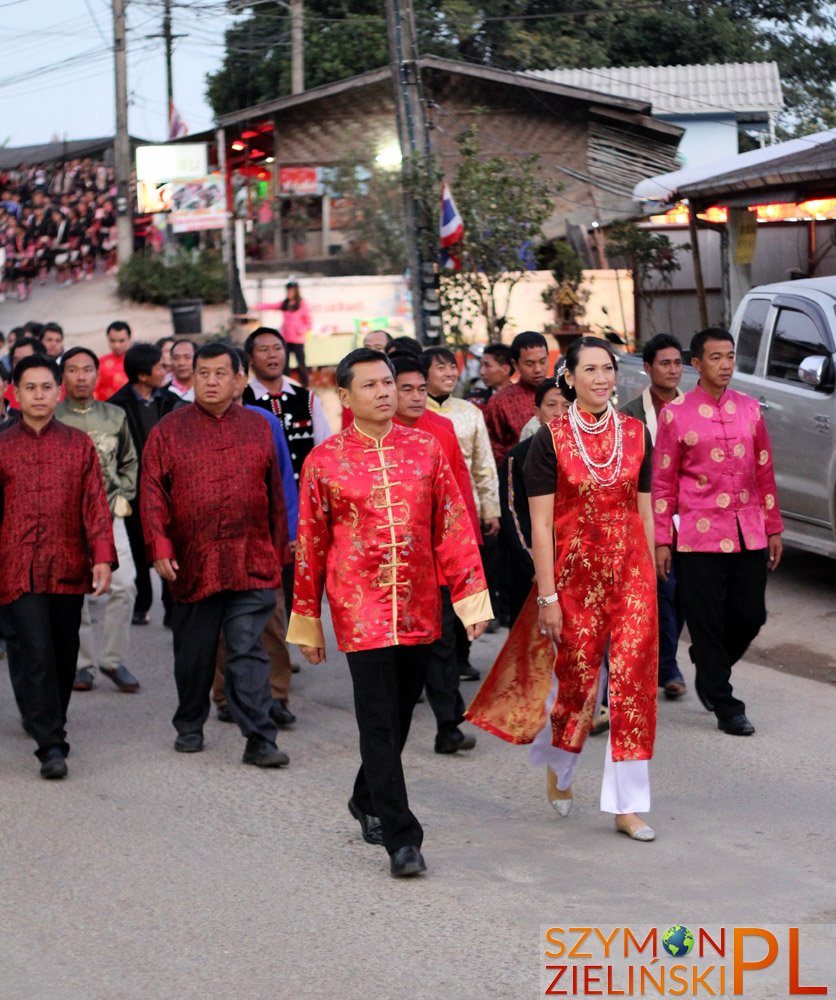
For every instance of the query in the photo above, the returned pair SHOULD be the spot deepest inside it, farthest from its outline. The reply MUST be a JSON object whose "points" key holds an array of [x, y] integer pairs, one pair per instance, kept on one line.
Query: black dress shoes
{"points": [[369, 825], [453, 742], [122, 678], [189, 743], [140, 618], [281, 714], [262, 753], [406, 862], [224, 714], [53, 766], [739, 725], [468, 673]]}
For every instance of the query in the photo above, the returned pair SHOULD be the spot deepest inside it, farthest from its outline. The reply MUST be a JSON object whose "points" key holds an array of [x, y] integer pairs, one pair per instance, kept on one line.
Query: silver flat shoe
{"points": [[561, 806], [643, 833]]}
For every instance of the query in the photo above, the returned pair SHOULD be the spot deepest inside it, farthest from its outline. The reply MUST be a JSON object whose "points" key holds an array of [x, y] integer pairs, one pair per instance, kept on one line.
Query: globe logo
{"points": [[678, 941]]}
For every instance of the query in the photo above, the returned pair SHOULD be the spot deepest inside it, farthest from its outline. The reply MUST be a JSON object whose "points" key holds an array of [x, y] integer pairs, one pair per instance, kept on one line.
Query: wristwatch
{"points": [[544, 602]]}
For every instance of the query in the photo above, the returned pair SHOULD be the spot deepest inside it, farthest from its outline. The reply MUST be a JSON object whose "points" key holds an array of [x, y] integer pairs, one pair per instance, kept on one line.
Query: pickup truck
{"points": [[785, 346]]}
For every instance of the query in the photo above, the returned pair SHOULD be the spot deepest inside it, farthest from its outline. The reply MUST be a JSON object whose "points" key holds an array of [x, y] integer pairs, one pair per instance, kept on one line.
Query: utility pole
{"points": [[122, 142], [169, 82], [297, 49], [412, 134]]}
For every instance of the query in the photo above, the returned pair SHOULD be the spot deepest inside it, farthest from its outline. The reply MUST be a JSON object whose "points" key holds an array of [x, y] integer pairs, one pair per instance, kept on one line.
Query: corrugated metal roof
{"points": [[50, 152], [740, 88], [797, 160]]}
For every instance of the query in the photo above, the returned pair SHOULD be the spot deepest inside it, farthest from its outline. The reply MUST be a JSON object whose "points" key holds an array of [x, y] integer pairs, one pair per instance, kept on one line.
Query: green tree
{"points": [[503, 202], [343, 38]]}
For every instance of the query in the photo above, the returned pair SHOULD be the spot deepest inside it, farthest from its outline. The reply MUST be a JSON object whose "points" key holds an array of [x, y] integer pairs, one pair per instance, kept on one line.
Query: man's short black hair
{"points": [[218, 350], [525, 341], [659, 343], [33, 342], [442, 353], [544, 387], [119, 325], [74, 352], [35, 361], [53, 327], [405, 362], [698, 341], [176, 342], [362, 356], [140, 359], [404, 345], [385, 333], [244, 359], [33, 329], [163, 341], [501, 353], [250, 341]]}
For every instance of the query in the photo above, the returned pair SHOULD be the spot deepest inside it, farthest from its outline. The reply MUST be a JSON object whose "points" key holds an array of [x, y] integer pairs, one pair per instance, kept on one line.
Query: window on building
{"points": [[750, 335], [796, 337]]}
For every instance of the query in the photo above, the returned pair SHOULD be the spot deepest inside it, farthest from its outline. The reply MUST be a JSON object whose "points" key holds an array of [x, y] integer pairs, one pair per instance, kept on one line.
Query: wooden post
{"points": [[698, 278]]}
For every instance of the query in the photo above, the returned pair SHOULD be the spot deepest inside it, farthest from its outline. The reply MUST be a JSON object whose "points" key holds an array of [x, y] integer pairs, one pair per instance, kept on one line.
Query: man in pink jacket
{"points": [[712, 466]]}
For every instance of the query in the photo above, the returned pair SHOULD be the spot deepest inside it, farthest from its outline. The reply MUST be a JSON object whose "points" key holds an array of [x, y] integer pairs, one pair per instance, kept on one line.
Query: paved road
{"points": [[153, 876]]}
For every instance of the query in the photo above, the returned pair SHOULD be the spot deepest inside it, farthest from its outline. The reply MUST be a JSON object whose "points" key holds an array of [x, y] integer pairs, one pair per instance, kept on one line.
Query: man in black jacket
{"points": [[145, 403]]}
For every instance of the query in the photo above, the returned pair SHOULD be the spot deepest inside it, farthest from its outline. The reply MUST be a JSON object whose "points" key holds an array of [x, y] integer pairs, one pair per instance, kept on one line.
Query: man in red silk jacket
{"points": [[216, 530], [378, 507], [56, 545]]}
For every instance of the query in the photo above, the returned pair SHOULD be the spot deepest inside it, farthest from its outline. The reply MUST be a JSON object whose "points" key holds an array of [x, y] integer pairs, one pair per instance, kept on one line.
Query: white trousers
{"points": [[626, 784], [112, 612]]}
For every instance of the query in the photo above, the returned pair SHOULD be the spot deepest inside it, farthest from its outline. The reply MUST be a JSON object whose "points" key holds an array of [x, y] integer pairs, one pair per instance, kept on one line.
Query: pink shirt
{"points": [[296, 323], [712, 465]]}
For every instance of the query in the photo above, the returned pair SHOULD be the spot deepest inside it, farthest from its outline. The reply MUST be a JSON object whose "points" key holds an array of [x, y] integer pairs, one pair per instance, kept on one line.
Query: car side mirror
{"points": [[813, 370]]}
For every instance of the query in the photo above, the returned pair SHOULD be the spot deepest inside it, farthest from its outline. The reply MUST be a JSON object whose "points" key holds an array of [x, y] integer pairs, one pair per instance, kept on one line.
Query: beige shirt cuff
{"points": [[305, 631], [474, 609]]}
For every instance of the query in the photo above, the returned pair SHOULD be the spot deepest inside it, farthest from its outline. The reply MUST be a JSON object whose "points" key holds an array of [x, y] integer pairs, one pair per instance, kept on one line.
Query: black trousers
{"points": [[387, 683], [42, 664], [144, 594], [243, 615], [723, 597], [442, 683], [298, 352]]}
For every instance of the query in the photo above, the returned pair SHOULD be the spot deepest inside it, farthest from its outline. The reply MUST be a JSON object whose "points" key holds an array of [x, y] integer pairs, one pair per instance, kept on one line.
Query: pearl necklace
{"points": [[579, 424]]}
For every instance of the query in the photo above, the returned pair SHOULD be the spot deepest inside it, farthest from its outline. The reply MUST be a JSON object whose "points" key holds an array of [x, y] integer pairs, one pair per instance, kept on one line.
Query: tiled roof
{"points": [[742, 88]]}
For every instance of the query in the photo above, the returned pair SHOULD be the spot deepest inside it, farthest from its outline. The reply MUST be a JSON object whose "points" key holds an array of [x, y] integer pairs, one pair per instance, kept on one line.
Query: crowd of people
{"points": [[427, 519], [59, 219]]}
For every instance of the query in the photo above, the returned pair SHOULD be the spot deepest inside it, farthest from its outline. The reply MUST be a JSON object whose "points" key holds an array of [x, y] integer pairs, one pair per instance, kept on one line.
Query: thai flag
{"points": [[451, 229]]}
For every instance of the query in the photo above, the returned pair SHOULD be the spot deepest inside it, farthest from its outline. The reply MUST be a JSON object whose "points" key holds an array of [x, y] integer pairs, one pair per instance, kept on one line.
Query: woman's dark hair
{"points": [[570, 362], [140, 359], [362, 356], [249, 343], [543, 389], [699, 340], [35, 361], [218, 350]]}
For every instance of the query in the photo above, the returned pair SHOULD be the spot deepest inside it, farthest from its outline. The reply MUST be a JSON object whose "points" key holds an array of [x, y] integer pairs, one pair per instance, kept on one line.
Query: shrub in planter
{"points": [[159, 278]]}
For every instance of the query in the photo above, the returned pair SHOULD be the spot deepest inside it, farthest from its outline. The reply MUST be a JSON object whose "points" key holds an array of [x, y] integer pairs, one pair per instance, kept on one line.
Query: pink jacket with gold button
{"points": [[712, 465]]}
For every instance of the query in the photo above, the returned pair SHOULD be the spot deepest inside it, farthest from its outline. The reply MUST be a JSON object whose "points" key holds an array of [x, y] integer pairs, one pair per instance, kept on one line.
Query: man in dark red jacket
{"points": [[56, 544], [215, 524]]}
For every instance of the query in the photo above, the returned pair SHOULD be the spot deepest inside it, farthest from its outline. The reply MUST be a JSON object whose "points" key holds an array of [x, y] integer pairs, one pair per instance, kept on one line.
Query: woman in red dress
{"points": [[588, 481]]}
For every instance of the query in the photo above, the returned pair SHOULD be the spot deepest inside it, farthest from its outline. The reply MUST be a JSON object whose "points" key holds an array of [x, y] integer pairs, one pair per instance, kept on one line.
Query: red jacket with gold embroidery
{"points": [[55, 523], [374, 516]]}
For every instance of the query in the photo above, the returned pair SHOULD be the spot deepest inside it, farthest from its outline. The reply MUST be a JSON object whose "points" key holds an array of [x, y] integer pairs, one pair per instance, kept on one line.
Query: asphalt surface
{"points": [[150, 875]]}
